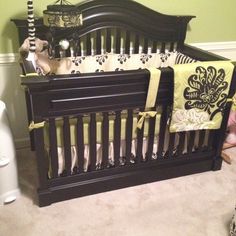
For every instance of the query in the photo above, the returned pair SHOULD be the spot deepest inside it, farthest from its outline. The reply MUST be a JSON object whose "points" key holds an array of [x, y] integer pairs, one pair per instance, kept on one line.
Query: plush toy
{"points": [[40, 45], [41, 54]]}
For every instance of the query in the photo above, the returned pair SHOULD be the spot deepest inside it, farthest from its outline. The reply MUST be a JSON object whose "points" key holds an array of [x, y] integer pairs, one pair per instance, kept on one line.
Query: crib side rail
{"points": [[68, 95], [200, 54]]}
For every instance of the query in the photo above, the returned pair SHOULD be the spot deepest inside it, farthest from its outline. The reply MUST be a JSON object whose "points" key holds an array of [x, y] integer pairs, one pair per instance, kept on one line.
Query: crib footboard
{"points": [[92, 111]]}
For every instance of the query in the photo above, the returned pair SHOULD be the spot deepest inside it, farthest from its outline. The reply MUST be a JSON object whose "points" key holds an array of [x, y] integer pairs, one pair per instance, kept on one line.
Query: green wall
{"points": [[215, 20]]}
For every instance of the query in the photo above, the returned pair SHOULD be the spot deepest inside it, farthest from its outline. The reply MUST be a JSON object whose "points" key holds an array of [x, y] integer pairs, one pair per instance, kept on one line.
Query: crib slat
{"points": [[210, 139], [108, 40], [127, 42], [118, 40], [88, 44], [117, 134], [154, 47], [151, 133], [92, 142], [201, 139], [67, 145], [67, 52], [139, 153], [42, 162], [172, 44], [163, 46], [191, 141], [180, 148], [105, 139], [128, 135], [136, 44], [98, 41], [78, 48], [171, 144], [53, 147], [145, 47], [163, 123], [80, 143]]}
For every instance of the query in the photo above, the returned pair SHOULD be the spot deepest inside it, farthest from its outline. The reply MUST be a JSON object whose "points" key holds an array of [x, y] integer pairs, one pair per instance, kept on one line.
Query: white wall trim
{"points": [[215, 46], [224, 49], [6, 58]]}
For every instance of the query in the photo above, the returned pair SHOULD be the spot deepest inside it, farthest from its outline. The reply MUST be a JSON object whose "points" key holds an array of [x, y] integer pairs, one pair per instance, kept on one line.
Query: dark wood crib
{"points": [[108, 94]]}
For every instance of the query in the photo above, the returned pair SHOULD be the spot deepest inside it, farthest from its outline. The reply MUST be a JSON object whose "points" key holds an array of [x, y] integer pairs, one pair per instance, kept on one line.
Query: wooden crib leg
{"points": [[217, 163]]}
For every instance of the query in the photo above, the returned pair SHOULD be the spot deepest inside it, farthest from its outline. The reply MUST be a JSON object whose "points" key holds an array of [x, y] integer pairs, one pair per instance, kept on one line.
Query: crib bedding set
{"points": [[115, 98]]}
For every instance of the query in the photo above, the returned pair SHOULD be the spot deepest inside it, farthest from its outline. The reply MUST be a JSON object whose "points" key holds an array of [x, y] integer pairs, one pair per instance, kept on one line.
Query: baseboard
{"points": [[225, 49], [22, 143], [6, 58]]}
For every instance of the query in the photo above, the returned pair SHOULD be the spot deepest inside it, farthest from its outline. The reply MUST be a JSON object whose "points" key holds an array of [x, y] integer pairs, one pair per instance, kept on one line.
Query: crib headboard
{"points": [[119, 26]]}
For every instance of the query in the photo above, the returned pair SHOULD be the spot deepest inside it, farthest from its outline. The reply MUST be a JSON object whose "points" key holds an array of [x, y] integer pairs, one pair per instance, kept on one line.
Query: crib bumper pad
{"points": [[103, 63], [200, 95], [86, 121]]}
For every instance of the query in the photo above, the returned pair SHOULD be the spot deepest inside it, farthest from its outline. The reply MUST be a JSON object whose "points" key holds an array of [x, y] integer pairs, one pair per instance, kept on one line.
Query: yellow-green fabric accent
{"points": [[86, 121], [154, 81], [200, 94], [233, 107], [29, 75], [33, 125], [145, 115]]}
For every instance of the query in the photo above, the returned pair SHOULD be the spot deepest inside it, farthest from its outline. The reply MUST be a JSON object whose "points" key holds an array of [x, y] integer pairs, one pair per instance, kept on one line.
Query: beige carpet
{"points": [[196, 205]]}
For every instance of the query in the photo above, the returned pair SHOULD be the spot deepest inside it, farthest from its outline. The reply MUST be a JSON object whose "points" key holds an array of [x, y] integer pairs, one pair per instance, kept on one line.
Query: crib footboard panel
{"points": [[57, 96], [92, 183], [91, 142]]}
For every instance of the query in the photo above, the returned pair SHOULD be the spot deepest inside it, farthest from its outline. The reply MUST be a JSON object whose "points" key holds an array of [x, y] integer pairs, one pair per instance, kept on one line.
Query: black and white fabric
{"points": [[110, 62], [183, 59]]}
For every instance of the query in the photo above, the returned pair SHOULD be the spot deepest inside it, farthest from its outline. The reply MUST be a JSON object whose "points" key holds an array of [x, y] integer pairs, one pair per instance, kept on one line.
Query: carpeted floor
{"points": [[197, 205]]}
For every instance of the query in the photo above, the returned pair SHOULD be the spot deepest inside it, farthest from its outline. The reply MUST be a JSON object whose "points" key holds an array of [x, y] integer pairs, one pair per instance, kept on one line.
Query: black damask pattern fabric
{"points": [[101, 59], [119, 69], [98, 70], [206, 90], [78, 60], [164, 56], [75, 72], [122, 58], [145, 57], [115, 62]]}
